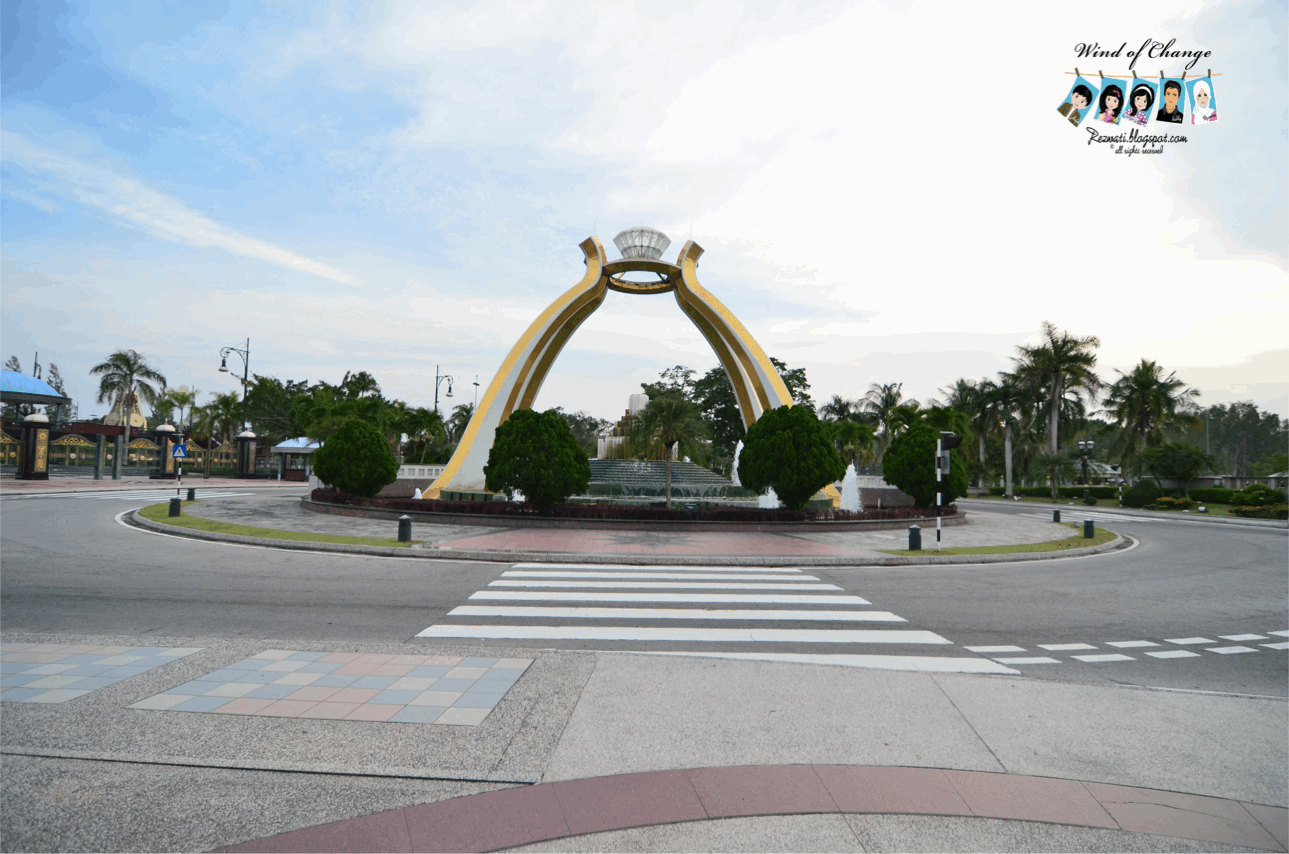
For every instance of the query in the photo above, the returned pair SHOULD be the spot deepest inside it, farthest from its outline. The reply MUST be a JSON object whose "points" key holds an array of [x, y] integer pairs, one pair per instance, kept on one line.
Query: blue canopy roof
{"points": [[298, 445], [21, 388]]}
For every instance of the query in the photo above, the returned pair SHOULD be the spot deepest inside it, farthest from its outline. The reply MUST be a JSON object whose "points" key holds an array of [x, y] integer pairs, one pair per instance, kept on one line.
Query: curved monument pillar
{"points": [[757, 385]]}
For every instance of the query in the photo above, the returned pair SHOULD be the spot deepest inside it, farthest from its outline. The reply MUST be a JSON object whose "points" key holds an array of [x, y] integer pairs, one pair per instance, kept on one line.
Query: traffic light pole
{"points": [[939, 458]]}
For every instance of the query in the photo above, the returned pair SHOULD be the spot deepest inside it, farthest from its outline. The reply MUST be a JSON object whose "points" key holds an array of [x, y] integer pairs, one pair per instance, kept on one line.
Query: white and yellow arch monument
{"points": [[757, 385]]}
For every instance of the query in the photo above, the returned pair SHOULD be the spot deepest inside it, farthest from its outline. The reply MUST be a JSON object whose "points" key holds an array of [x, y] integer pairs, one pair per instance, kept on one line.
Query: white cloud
{"points": [[130, 202]]}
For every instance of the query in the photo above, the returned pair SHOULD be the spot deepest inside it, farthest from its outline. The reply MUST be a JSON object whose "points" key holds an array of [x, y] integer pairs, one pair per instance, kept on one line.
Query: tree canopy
{"points": [[356, 458], [910, 465], [536, 454], [790, 449]]}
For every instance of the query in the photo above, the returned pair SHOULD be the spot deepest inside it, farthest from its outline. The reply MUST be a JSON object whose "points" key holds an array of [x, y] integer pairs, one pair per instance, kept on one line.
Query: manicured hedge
{"points": [[1212, 495], [1271, 511], [1063, 491], [624, 512]]}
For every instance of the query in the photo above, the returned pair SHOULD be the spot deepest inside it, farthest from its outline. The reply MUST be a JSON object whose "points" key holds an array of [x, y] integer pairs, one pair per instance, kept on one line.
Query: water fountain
{"points": [[738, 449], [850, 490], [769, 501]]}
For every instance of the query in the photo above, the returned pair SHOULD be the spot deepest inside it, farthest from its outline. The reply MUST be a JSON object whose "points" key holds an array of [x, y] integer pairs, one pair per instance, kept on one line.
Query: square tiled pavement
{"points": [[56, 673], [422, 689]]}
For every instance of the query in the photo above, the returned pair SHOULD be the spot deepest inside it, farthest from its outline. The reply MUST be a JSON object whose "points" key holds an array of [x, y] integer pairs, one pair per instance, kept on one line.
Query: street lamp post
{"points": [[438, 380], [246, 371], [1085, 451]]}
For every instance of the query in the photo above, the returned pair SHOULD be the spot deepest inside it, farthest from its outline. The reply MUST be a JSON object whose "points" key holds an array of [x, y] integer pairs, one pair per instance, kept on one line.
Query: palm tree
{"points": [[1061, 363], [853, 439], [975, 401], [672, 420], [1143, 402], [182, 398], [1057, 467], [220, 417], [423, 424], [459, 420], [839, 408], [126, 377], [881, 402], [1008, 400]]}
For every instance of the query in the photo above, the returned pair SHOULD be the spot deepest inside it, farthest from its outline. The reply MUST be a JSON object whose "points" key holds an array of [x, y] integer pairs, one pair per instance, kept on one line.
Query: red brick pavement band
{"points": [[521, 815]]}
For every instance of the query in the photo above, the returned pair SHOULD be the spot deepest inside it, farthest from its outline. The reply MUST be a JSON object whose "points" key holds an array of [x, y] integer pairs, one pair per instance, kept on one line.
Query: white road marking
{"points": [[651, 633], [162, 496], [1230, 650], [692, 585], [1242, 637], [1282, 645], [1174, 653], [673, 614], [1128, 644], [604, 566], [1189, 640], [1073, 516], [1054, 647], [1034, 660], [692, 598], [1279, 634], [655, 575], [995, 648], [1111, 657], [917, 663]]}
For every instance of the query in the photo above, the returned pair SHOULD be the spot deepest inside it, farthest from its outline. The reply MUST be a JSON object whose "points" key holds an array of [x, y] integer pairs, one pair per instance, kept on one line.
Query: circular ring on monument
{"points": [[616, 269]]}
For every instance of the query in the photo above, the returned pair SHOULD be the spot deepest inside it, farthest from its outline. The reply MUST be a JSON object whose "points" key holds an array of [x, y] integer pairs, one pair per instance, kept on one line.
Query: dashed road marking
{"points": [[1131, 644], [1034, 660], [995, 648], [1189, 640], [1231, 650], [1174, 653], [1058, 647], [1282, 645], [1115, 656], [1242, 637]]}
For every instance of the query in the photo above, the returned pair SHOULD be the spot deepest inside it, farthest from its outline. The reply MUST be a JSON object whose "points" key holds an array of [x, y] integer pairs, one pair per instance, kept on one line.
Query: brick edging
{"points": [[667, 525], [511, 817], [512, 555]]}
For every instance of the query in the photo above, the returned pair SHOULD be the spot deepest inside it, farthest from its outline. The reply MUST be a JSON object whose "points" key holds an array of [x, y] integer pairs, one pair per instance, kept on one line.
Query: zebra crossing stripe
{"points": [[672, 614], [605, 566], [916, 663], [690, 598], [690, 585], [700, 576], [651, 633]]}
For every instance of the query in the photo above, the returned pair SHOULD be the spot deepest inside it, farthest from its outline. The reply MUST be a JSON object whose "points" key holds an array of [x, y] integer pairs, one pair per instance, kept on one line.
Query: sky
{"points": [[884, 190]]}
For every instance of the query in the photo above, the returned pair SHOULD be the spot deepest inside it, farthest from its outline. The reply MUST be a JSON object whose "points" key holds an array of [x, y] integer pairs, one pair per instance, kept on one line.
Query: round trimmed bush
{"points": [[789, 449], [1141, 493], [537, 454], [357, 459], [1257, 495], [910, 465]]}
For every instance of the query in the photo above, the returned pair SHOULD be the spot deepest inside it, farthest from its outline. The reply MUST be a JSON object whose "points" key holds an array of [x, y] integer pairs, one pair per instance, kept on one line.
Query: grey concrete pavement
{"points": [[93, 774]]}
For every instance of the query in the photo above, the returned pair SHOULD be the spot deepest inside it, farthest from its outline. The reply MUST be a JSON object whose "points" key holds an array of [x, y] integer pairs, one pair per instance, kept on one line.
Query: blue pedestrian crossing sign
{"points": [[180, 452]]}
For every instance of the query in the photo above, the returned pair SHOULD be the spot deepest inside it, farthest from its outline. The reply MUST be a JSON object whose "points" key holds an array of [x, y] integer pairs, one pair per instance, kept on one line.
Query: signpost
{"points": [[945, 443], [178, 453]]}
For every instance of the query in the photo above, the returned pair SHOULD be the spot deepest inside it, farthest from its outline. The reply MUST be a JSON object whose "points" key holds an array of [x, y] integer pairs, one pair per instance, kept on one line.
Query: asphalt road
{"points": [[67, 564]]}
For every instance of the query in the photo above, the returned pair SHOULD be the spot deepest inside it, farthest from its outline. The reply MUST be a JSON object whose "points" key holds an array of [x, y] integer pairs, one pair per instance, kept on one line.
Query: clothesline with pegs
{"points": [[1136, 77]]}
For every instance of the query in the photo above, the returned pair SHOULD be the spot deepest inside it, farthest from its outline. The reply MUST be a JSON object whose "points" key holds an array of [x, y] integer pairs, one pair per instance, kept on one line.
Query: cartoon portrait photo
{"points": [[1078, 101], [1110, 107], [1203, 104], [1141, 99], [1172, 110]]}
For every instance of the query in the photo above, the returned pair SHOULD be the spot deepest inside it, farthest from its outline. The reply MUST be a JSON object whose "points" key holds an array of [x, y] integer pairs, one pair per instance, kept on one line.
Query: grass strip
{"points": [[1100, 535], [160, 513]]}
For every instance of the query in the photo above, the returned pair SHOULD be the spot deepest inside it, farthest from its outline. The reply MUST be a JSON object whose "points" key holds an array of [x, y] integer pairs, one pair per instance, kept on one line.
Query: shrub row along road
{"points": [[1193, 593]]}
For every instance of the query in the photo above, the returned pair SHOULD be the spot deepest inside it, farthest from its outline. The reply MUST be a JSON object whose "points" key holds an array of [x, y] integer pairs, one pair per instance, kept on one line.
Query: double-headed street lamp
{"points": [[438, 380], [246, 371], [1085, 452]]}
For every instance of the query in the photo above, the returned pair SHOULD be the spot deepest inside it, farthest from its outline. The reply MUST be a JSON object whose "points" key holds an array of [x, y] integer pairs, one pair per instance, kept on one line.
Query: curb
{"points": [[1167, 516], [509, 556]]}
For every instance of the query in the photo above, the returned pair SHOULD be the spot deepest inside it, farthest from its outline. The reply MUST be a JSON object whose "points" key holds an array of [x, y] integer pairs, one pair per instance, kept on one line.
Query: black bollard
{"points": [[1056, 515], [192, 493], [404, 529], [915, 538], [1088, 529], [174, 506]]}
